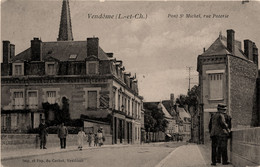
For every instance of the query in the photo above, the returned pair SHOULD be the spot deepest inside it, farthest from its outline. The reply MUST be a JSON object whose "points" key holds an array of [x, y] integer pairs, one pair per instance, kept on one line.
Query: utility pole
{"points": [[189, 68]]}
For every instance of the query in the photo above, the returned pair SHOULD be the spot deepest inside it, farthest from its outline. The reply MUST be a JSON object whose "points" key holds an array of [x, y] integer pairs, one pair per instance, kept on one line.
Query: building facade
{"points": [[93, 81], [228, 75]]}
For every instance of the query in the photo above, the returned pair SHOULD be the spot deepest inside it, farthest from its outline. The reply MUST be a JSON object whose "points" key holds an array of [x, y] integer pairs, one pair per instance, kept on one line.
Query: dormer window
{"points": [[92, 67], [18, 69], [50, 68], [73, 56]]}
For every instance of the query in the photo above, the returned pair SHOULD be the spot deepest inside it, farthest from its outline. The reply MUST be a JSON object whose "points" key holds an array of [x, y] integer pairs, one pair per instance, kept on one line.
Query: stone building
{"points": [[93, 81], [227, 74]]}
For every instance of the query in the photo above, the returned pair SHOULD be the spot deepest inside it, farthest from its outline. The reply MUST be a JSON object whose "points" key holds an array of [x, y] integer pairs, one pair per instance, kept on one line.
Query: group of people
{"points": [[219, 129], [96, 138], [62, 132]]}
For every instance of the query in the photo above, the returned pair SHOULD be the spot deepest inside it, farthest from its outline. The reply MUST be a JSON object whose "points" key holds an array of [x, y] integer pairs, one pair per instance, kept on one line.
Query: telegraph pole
{"points": [[189, 68]]}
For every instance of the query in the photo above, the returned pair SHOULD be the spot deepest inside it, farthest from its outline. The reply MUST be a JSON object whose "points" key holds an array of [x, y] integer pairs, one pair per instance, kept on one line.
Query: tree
{"points": [[154, 118], [65, 110]]}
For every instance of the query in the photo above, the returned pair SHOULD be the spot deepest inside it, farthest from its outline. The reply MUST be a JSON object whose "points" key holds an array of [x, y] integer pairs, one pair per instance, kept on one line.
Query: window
{"points": [[14, 121], [92, 67], [118, 101], [73, 56], [216, 86], [51, 97], [3, 121], [32, 99], [92, 99], [114, 97], [50, 69], [128, 106], [18, 69], [132, 108], [18, 100]]}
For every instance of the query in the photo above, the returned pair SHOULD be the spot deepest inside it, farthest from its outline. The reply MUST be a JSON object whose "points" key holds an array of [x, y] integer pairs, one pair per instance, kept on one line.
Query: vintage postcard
{"points": [[130, 83]]}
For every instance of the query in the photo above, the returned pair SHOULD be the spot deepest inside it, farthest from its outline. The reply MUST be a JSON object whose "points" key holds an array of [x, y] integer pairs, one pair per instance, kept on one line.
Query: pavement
{"points": [[190, 155], [21, 153]]}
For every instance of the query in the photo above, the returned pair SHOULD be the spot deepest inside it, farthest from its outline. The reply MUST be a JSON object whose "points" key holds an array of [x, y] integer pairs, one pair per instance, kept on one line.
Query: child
{"points": [[96, 140], [81, 136], [90, 138]]}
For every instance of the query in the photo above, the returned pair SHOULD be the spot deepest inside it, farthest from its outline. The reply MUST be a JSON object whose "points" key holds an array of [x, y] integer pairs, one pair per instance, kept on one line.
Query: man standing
{"points": [[42, 134], [218, 129], [62, 134]]}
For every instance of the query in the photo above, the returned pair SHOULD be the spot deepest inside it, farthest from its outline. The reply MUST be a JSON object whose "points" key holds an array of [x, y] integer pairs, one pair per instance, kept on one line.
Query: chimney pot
{"points": [[231, 41], [248, 49], [12, 51], [255, 54], [110, 55]]}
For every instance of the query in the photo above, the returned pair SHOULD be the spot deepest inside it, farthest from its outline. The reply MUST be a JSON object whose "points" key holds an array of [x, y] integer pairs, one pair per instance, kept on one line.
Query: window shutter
{"points": [[92, 99]]}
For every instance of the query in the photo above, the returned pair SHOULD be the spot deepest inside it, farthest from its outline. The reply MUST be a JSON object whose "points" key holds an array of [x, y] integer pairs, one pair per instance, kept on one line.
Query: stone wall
{"points": [[22, 141], [243, 108], [245, 147]]}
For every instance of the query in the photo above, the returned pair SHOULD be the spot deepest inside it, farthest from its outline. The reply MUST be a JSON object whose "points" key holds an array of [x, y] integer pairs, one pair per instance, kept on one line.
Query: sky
{"points": [[158, 49]]}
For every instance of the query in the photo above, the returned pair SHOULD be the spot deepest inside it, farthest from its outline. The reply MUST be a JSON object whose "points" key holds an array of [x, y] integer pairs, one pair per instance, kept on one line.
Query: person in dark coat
{"points": [[43, 134], [220, 149], [219, 131], [62, 134]]}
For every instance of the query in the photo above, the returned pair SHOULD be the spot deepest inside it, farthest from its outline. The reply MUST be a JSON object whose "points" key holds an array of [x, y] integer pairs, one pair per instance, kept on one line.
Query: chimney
{"points": [[110, 55], [12, 51], [231, 41], [92, 46], [172, 98], [255, 54], [6, 52], [36, 49], [248, 49]]}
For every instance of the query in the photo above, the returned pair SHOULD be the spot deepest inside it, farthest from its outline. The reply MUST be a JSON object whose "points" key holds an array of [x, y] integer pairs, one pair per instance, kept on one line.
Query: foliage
{"points": [[61, 115], [191, 99], [154, 118]]}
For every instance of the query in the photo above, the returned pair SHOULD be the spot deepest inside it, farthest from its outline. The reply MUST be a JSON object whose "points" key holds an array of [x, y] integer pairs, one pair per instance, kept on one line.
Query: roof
{"points": [[183, 113], [169, 107], [219, 47], [165, 111], [62, 50], [152, 105]]}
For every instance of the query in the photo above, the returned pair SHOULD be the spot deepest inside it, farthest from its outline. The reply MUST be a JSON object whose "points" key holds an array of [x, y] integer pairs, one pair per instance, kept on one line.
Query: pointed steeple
{"points": [[65, 32]]}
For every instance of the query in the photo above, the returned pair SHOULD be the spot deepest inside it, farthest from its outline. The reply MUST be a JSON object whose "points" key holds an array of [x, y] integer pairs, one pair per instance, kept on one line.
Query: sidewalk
{"points": [[189, 156], [7, 155]]}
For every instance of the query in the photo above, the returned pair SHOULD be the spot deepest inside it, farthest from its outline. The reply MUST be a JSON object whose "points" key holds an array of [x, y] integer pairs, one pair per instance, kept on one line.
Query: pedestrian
{"points": [[100, 137], [218, 129], [62, 134], [90, 139], [43, 134], [95, 140], [81, 136], [225, 140]]}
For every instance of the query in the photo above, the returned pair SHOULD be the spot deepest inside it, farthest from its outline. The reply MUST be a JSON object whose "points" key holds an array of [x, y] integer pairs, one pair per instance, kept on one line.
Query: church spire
{"points": [[65, 32]]}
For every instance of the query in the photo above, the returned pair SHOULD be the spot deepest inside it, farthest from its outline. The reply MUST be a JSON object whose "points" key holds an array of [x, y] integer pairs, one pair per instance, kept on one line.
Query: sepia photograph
{"points": [[104, 83]]}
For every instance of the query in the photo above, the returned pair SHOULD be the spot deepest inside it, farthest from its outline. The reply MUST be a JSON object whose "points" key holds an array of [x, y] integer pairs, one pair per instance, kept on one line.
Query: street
{"points": [[147, 155]]}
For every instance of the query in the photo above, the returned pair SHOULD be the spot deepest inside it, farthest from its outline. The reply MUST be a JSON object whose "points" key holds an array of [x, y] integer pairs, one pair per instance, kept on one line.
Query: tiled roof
{"points": [[183, 113], [155, 105], [219, 47], [168, 105], [62, 50]]}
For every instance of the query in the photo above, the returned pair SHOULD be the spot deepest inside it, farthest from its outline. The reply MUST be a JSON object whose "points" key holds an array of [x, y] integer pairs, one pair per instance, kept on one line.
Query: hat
{"points": [[222, 106]]}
